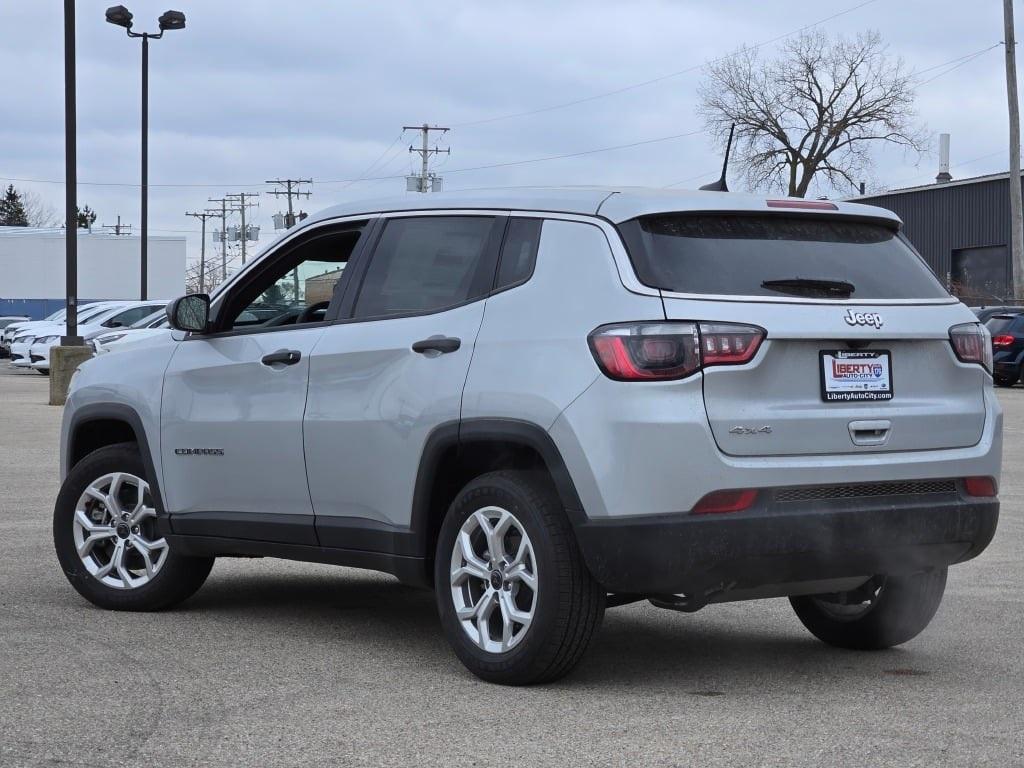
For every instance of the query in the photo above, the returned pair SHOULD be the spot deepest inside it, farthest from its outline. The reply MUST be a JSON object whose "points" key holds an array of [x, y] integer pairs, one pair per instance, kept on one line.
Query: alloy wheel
{"points": [[115, 531], [494, 579]]}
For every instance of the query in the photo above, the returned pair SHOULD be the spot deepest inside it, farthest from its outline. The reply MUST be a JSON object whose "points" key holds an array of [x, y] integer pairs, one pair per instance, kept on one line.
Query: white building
{"points": [[32, 275]]}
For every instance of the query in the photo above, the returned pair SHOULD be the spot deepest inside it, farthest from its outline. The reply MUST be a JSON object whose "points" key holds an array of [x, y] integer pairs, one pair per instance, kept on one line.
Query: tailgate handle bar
{"points": [[874, 432]]}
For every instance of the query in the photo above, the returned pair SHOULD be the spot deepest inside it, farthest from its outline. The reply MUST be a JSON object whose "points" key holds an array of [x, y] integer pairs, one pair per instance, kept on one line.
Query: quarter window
{"points": [[519, 252], [427, 263]]}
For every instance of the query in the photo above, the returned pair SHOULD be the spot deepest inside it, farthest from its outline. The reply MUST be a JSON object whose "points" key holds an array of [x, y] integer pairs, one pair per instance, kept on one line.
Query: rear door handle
{"points": [[440, 344], [282, 357]]}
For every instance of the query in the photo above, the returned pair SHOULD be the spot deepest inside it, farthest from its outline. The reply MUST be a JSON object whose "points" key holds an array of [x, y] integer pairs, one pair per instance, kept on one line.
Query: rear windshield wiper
{"points": [[806, 286]]}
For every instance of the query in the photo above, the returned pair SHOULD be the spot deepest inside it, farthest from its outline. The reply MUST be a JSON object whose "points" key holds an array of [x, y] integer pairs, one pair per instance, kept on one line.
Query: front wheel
{"points": [[107, 541], [883, 612], [516, 601]]}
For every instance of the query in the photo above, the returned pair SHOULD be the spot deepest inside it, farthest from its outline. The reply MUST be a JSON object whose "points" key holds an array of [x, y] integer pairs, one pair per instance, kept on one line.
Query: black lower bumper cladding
{"points": [[782, 542]]}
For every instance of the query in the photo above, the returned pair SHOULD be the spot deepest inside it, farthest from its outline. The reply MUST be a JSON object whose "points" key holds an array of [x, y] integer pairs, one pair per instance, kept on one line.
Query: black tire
{"points": [[175, 581], [569, 603], [1005, 381], [902, 608]]}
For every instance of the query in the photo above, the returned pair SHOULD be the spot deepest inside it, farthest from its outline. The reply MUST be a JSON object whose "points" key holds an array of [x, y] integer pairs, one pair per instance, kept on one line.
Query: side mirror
{"points": [[190, 313]]}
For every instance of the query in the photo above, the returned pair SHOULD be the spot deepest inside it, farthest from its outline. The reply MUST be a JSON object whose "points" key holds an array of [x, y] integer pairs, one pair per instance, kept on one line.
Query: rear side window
{"points": [[736, 255], [427, 263], [519, 253]]}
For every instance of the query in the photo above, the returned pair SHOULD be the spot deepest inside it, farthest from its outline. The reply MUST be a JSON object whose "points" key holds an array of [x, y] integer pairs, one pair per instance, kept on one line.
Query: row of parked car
{"points": [[105, 325], [111, 325]]}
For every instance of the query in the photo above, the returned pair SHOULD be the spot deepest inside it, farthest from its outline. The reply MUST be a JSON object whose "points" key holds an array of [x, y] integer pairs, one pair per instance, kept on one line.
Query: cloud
{"points": [[251, 91]]}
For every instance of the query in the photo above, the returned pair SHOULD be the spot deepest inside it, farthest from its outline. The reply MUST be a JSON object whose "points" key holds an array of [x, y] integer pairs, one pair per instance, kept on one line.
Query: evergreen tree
{"points": [[12, 211], [86, 217]]}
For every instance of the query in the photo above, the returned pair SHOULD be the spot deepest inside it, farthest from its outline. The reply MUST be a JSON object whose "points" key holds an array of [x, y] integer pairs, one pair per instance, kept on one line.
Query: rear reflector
{"points": [[980, 486], [807, 205], [725, 501]]}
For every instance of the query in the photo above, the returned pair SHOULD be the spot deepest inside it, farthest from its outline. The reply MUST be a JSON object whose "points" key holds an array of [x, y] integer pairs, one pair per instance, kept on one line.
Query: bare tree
{"points": [[812, 113], [38, 212]]}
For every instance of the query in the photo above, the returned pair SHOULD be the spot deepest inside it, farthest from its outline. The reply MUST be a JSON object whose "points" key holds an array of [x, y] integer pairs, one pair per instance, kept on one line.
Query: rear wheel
{"points": [[106, 537], [516, 601], [885, 611]]}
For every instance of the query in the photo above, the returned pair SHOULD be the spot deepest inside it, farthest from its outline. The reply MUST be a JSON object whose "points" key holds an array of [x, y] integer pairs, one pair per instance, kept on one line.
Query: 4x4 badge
{"points": [[863, 318], [765, 430]]}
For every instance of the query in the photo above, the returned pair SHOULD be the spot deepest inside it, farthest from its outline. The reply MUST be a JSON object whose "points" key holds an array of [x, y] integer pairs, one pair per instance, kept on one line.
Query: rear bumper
{"points": [[785, 543]]}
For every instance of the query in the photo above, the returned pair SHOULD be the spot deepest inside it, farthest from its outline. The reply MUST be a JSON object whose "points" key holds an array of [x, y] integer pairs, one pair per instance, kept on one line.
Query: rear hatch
{"points": [[857, 354]]}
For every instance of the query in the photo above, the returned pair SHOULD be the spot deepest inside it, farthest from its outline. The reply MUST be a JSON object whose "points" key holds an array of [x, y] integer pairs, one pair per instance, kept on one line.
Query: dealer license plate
{"points": [[849, 375]]}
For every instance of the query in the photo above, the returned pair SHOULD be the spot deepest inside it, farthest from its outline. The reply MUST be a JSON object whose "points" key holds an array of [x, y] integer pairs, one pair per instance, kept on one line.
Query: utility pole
{"points": [[119, 228], [291, 188], [242, 203], [1016, 215], [425, 181], [202, 246], [223, 215]]}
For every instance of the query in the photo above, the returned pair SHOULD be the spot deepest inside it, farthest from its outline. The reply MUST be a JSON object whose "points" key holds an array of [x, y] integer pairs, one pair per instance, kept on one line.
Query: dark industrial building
{"points": [[962, 228]]}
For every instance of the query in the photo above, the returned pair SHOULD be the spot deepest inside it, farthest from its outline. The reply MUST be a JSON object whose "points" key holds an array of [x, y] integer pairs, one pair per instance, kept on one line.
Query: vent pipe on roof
{"points": [[943, 176]]}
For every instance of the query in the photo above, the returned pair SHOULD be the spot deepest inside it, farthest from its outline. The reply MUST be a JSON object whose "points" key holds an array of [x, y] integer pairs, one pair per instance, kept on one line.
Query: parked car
{"points": [[8, 332], [56, 318], [27, 333], [121, 315], [5, 321], [152, 326], [543, 403], [1007, 332]]}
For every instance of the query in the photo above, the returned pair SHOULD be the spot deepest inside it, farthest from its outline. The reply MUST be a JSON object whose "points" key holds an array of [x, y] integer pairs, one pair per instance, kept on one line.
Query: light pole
{"points": [[122, 17]]}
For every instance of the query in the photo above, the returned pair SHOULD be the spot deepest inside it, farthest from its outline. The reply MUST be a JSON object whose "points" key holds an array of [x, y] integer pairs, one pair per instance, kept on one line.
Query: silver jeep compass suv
{"points": [[543, 403]]}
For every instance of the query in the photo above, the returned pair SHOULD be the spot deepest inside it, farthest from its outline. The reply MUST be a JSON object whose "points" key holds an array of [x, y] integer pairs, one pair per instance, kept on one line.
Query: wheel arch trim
{"points": [[96, 412]]}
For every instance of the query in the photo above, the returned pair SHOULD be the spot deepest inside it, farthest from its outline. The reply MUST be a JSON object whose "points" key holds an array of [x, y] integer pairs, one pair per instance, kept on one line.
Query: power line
{"points": [[373, 165], [652, 81], [961, 62], [967, 56]]}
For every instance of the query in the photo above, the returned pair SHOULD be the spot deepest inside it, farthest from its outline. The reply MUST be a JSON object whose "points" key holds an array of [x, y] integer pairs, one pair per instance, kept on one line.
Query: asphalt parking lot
{"points": [[275, 663]]}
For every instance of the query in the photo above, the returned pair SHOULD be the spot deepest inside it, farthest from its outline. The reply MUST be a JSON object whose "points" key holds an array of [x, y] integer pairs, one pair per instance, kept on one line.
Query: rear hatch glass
{"points": [[777, 256], [999, 323]]}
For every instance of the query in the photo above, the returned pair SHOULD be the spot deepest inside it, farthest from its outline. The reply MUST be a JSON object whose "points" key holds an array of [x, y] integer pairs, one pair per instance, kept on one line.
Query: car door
{"points": [[393, 370], [234, 398]]}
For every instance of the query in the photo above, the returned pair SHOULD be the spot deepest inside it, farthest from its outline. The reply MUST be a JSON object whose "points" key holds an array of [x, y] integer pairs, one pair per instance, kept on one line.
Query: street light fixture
{"points": [[170, 20]]}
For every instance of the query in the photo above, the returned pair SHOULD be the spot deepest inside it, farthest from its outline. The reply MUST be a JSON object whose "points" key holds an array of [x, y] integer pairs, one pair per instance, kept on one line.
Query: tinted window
{"points": [[735, 255], [424, 264], [519, 252], [129, 316]]}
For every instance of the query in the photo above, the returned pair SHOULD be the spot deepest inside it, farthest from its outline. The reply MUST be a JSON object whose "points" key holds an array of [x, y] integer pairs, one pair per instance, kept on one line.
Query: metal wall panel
{"points": [[946, 217]]}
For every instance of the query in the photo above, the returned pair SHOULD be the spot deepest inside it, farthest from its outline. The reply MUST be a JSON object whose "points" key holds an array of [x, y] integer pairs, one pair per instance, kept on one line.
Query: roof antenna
{"points": [[719, 186]]}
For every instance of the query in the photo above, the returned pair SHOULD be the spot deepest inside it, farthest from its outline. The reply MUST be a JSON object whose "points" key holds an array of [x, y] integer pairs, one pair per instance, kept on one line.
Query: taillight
{"points": [[980, 486], [656, 351], [728, 344], [1002, 341], [725, 501], [971, 344]]}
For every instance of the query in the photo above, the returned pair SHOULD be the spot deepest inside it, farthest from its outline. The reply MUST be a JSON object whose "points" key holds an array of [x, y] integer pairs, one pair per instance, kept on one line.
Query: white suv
{"points": [[543, 403]]}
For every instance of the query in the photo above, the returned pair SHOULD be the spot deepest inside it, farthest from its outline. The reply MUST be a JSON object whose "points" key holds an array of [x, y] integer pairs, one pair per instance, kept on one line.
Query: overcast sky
{"points": [[320, 89]]}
